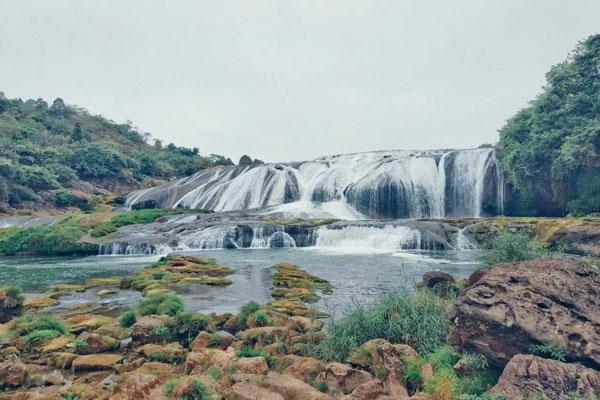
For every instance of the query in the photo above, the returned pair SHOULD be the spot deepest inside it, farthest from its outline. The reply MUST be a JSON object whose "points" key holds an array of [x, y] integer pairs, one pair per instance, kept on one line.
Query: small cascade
{"points": [[369, 239], [463, 242], [123, 248]]}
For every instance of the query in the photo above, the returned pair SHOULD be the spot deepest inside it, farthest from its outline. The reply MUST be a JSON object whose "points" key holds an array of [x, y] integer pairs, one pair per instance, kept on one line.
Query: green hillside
{"points": [[59, 155], [550, 150]]}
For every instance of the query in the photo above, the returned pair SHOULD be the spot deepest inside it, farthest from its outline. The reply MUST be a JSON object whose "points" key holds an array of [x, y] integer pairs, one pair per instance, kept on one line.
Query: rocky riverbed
{"points": [[534, 325]]}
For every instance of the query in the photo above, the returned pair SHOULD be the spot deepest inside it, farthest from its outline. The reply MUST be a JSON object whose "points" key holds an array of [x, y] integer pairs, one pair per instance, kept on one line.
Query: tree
{"points": [[245, 160]]}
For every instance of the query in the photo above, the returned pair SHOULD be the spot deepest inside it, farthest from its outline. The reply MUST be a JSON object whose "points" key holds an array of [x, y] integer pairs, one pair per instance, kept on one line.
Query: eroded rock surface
{"points": [[517, 305]]}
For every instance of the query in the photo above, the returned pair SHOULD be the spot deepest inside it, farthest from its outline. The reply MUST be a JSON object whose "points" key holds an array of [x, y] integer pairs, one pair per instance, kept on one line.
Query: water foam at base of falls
{"points": [[367, 239]]}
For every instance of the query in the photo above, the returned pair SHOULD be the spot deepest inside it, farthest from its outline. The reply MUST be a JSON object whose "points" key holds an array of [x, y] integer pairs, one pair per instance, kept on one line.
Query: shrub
{"points": [[195, 390], [245, 311], [190, 324], [419, 319], [167, 304], [260, 318], [549, 350], [248, 352], [80, 344], [127, 319], [13, 292], [511, 247]]}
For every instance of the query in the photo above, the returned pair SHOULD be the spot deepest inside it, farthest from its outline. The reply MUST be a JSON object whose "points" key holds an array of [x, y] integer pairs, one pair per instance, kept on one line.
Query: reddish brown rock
{"points": [[12, 372], [93, 343], [513, 306], [95, 362], [145, 328], [135, 386], [291, 388], [304, 368], [250, 391], [252, 365], [527, 376]]}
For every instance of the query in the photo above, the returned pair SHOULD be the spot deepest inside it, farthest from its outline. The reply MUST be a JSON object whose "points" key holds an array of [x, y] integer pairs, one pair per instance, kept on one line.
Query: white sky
{"points": [[293, 80]]}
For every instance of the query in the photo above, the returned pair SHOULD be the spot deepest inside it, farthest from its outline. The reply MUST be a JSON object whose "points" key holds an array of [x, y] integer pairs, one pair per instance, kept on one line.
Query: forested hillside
{"points": [[56, 155], [550, 151]]}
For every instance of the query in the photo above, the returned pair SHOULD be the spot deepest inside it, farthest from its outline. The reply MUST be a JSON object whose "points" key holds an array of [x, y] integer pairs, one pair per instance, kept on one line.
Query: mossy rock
{"points": [[40, 302], [111, 281]]}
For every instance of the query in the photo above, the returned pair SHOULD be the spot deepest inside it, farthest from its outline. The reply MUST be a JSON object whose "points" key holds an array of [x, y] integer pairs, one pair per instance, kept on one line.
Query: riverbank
{"points": [[409, 345]]}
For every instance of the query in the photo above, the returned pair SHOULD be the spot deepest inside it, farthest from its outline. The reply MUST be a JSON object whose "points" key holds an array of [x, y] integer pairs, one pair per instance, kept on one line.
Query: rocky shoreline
{"points": [[532, 326]]}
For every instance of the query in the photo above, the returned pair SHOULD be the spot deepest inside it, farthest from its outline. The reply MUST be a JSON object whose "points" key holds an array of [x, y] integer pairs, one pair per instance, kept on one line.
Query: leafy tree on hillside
{"points": [[44, 149], [550, 150]]}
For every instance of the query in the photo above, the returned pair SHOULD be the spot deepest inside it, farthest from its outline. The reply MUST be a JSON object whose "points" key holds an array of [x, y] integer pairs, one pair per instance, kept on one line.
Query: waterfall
{"points": [[384, 184], [369, 239], [463, 242]]}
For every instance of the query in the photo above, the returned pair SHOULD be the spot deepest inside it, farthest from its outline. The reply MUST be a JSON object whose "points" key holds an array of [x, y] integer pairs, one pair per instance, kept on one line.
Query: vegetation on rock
{"points": [[550, 151]]}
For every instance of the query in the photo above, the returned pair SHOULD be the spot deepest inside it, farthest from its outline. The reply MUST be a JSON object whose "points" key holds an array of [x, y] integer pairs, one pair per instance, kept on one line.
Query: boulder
{"points": [[370, 390], [200, 361], [514, 306], [304, 324], [61, 360], [250, 391], [11, 304], [527, 376], [87, 391], [144, 330], [83, 322], [96, 362], [384, 361], [12, 372], [291, 388], [93, 343], [439, 281], [343, 377], [172, 353], [252, 365], [304, 368], [135, 386], [583, 239]]}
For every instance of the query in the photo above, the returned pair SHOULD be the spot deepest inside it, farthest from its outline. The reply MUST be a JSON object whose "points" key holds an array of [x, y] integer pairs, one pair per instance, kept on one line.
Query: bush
{"points": [[245, 311], [260, 318], [127, 319], [190, 324], [62, 198], [167, 304], [419, 319], [511, 247], [193, 389]]}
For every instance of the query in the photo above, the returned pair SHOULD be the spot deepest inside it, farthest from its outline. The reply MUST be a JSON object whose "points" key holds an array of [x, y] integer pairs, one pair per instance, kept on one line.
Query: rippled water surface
{"points": [[362, 276]]}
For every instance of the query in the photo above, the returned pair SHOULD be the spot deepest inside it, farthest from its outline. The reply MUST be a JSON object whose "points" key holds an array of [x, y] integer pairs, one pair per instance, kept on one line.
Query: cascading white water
{"points": [[369, 239], [384, 184]]}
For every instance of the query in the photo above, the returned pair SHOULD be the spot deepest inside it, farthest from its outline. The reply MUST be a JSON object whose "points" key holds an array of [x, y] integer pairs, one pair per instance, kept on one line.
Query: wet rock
{"points": [[440, 282], [41, 302], [56, 344], [527, 376], [86, 322], [344, 377], [514, 306], [112, 329], [95, 362], [93, 343], [61, 360], [583, 239], [12, 372]]}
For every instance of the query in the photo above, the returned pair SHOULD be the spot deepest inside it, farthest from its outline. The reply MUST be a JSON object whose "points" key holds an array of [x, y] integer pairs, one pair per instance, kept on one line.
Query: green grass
{"points": [[41, 335], [165, 304], [419, 319], [511, 247], [248, 352], [260, 318], [35, 322], [145, 216], [80, 345], [61, 238]]}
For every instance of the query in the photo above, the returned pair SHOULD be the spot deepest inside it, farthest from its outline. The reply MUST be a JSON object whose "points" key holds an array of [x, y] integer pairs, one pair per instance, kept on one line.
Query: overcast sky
{"points": [[293, 80]]}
